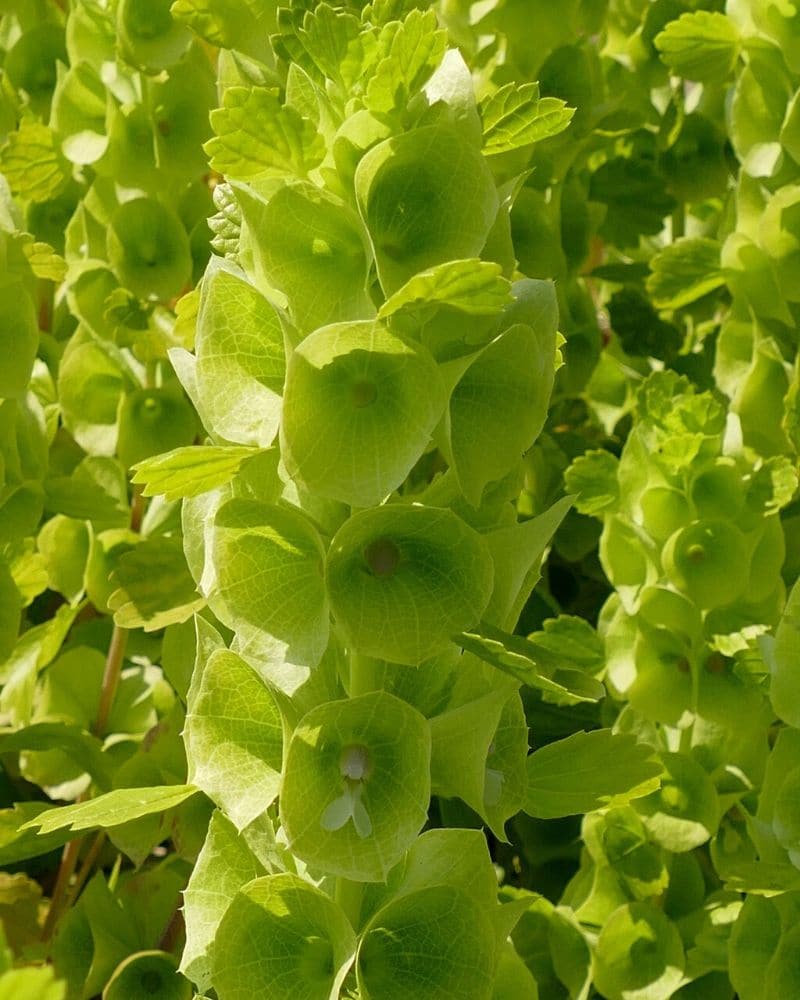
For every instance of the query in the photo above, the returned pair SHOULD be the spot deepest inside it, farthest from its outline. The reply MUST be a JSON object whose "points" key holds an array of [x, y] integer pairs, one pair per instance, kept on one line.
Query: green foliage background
{"points": [[399, 529]]}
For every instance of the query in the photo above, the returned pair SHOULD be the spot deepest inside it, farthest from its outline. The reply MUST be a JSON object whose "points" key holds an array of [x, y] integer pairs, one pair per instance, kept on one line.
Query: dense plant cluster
{"points": [[399, 526]]}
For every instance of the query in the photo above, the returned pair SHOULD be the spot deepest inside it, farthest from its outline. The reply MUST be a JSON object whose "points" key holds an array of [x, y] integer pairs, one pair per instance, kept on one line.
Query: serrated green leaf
{"points": [[154, 586], [189, 472], [80, 746], [44, 261], [474, 287], [531, 664], [516, 116], [229, 24], [109, 810], [685, 271], [700, 45], [256, 133], [408, 52], [587, 771], [33, 164], [593, 478], [17, 845]]}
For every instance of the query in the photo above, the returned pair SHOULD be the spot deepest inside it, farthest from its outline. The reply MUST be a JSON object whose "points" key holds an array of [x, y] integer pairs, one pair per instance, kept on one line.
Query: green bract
{"points": [[399, 512], [359, 410], [356, 785], [404, 580]]}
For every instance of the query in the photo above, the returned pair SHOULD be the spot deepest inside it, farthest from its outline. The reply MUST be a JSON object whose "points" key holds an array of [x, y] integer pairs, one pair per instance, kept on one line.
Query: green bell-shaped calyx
{"points": [[426, 197], [284, 939], [356, 785], [404, 579], [360, 405]]}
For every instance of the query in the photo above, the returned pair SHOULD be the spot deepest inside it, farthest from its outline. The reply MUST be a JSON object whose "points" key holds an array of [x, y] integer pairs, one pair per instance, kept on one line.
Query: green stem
{"points": [[349, 896], [362, 675]]}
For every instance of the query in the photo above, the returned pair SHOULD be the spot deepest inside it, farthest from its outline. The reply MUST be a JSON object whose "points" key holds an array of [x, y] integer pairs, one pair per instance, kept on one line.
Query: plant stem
{"points": [[69, 860], [349, 896], [86, 867], [111, 675], [362, 675]]}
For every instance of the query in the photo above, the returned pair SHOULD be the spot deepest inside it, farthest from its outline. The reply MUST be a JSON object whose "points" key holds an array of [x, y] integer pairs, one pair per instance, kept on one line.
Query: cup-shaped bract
{"points": [[360, 405], [684, 812], [404, 579], [149, 36], [30, 63], [426, 197], [148, 973], [639, 953], [152, 421], [708, 560], [281, 938], [268, 569], [315, 243], [148, 249], [433, 943], [356, 785]]}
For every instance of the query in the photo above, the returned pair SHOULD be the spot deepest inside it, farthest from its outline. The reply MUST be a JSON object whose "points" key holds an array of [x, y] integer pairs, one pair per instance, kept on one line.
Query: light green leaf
{"points": [[460, 742], [223, 866], [474, 287], [80, 746], [531, 664], [517, 552], [44, 261], [701, 45], [516, 116], [593, 478], [356, 785], [282, 938], [685, 271], [784, 688], [639, 954], [109, 810], [154, 586], [408, 52], [431, 943], [360, 406], [188, 472], [17, 845], [228, 24], [426, 197], [10, 607], [31, 984], [500, 403], [684, 812], [586, 771], [240, 359], [32, 162], [234, 738], [255, 133], [402, 580], [267, 561], [19, 339]]}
